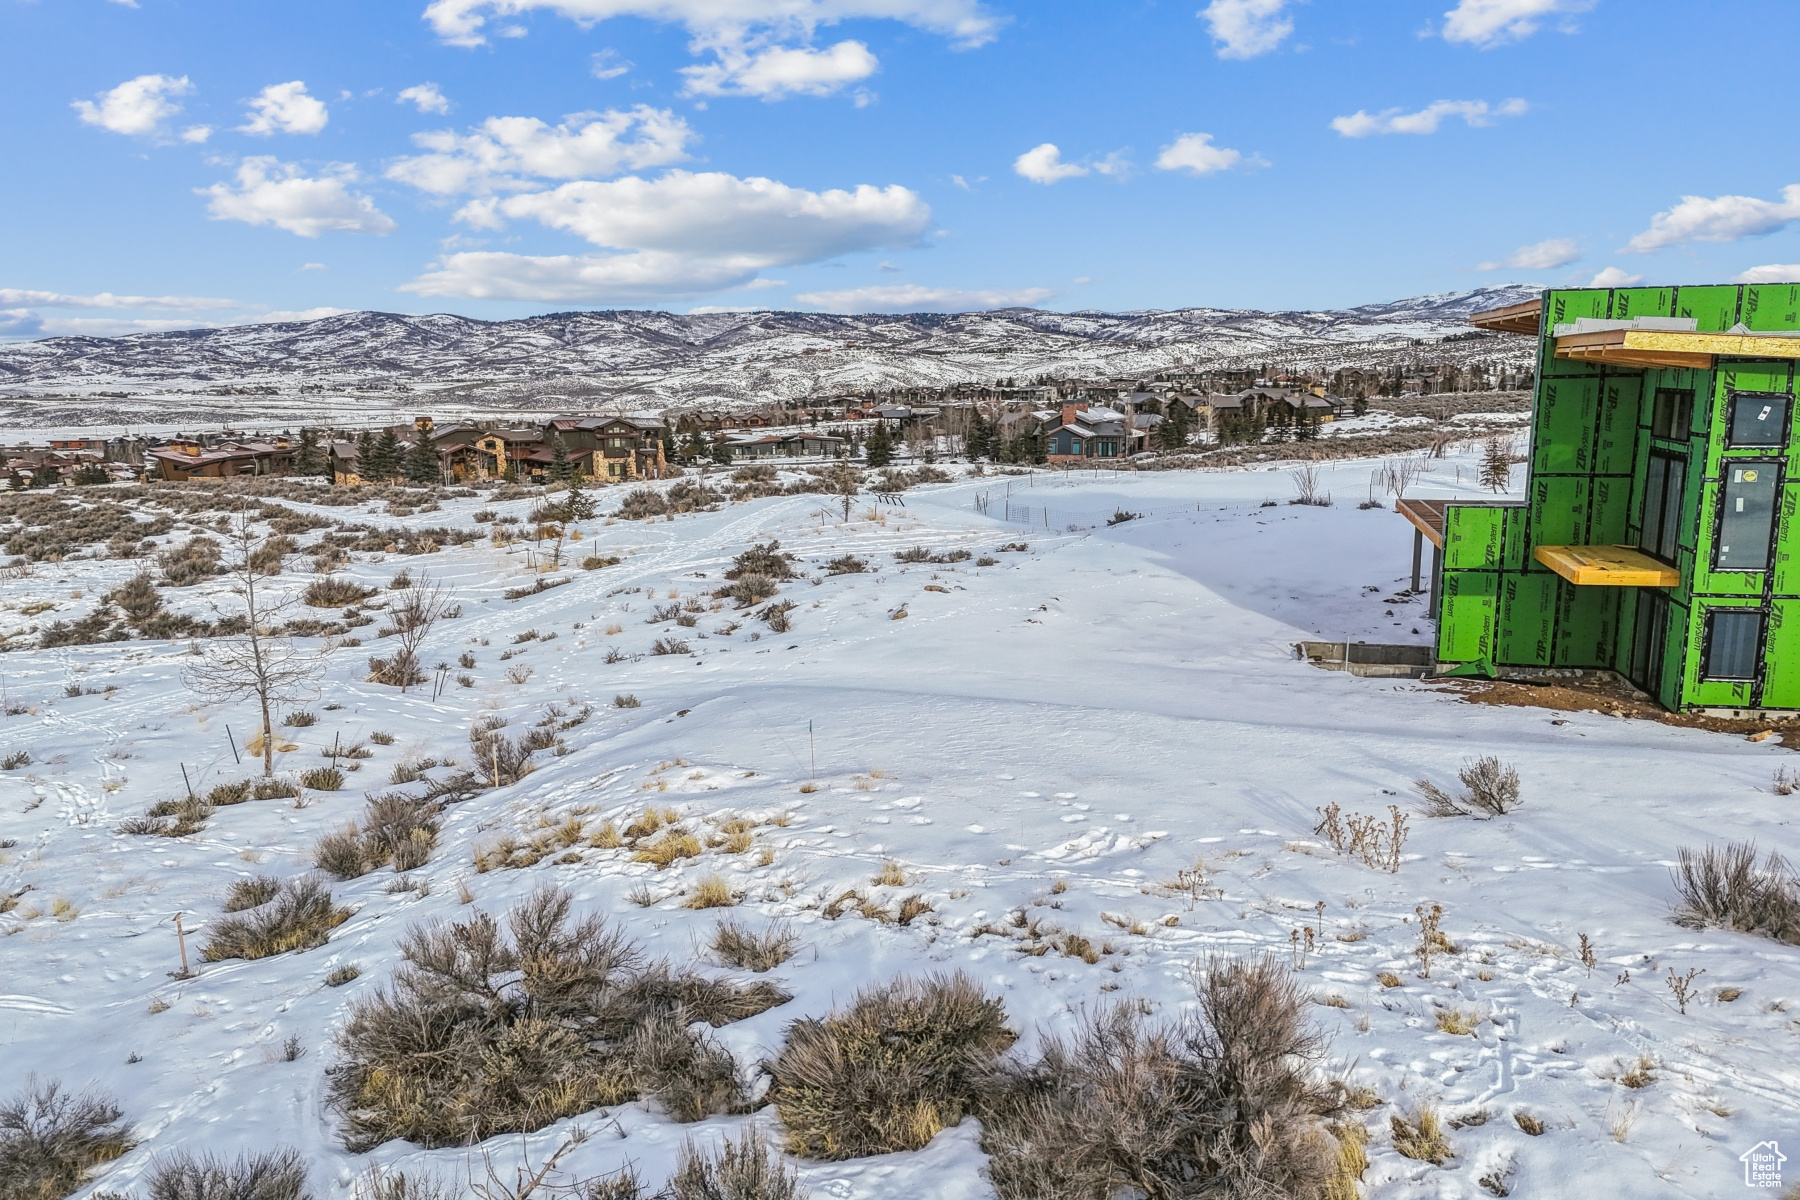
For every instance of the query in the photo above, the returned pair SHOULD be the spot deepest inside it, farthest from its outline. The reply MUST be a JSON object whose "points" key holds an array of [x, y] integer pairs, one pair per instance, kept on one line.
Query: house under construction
{"points": [[1658, 534]]}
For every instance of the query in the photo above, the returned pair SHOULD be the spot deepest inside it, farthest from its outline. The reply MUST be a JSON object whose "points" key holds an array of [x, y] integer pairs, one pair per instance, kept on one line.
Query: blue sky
{"points": [[186, 162]]}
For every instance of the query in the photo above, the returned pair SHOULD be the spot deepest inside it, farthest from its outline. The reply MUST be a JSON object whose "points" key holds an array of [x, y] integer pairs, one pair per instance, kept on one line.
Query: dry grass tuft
{"points": [[486, 1031], [738, 946], [1352, 1161], [890, 875], [51, 1140], [902, 1063], [1458, 1023], [711, 892], [675, 844], [1228, 1096], [1528, 1123], [299, 916], [1422, 1138]]}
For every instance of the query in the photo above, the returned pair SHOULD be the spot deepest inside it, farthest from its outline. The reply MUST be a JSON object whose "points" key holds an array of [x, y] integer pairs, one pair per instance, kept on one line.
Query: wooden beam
{"points": [[1512, 318], [1607, 566]]}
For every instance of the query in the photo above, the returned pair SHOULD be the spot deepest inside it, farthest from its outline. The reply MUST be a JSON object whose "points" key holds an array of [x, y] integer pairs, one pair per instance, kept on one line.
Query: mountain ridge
{"points": [[646, 358]]}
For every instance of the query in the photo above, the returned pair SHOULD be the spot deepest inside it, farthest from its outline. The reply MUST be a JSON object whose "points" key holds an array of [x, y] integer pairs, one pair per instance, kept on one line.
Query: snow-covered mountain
{"points": [[659, 359]]}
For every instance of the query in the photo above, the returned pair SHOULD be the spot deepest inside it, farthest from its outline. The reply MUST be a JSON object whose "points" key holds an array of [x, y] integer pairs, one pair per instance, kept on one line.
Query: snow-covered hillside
{"points": [[347, 366], [1059, 729]]}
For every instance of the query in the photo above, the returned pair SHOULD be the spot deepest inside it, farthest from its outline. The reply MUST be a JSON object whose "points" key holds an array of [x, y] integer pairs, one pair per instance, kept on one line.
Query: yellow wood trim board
{"points": [[1607, 566]]}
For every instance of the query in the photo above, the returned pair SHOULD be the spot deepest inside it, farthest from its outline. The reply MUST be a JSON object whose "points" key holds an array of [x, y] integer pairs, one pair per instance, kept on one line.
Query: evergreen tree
{"points": [[384, 457], [577, 505], [1177, 422], [880, 447], [422, 461], [559, 458], [309, 457], [696, 444], [721, 450], [1496, 467], [1359, 407], [365, 455]]}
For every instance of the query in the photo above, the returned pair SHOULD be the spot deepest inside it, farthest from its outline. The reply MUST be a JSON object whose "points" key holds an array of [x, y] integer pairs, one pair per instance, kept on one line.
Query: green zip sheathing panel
{"points": [[1591, 439]]}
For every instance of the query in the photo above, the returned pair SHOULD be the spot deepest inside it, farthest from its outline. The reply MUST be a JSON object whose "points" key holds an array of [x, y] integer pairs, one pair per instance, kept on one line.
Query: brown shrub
{"points": [[902, 1063], [1723, 886], [299, 916], [50, 1140], [1226, 1097], [484, 1031], [277, 1175]]}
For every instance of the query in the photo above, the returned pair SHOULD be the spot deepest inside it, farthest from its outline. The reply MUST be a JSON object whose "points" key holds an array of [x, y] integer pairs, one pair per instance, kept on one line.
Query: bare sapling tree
{"points": [[260, 664], [423, 606], [845, 481]]}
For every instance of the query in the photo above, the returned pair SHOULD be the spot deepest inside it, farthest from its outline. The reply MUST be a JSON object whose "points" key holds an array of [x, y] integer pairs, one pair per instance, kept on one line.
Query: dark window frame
{"points": [[1706, 643], [1787, 419], [1669, 537], [1680, 403], [1650, 640], [1775, 464]]}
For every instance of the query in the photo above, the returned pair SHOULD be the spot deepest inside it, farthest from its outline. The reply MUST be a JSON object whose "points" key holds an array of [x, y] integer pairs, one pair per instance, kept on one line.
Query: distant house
{"points": [[1088, 433], [615, 448], [226, 460], [792, 445]]}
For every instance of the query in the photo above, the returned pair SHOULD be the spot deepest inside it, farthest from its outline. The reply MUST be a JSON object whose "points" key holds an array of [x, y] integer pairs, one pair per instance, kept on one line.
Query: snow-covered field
{"points": [[1104, 710]]}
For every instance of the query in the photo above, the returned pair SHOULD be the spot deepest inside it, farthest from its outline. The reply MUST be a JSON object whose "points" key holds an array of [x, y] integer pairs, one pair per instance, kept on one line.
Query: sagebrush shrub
{"points": [[50, 1139], [1492, 788], [276, 1175], [747, 1169], [251, 893], [1723, 886], [769, 561], [485, 1031], [334, 591], [299, 916], [903, 1062], [1224, 1103], [738, 945]]}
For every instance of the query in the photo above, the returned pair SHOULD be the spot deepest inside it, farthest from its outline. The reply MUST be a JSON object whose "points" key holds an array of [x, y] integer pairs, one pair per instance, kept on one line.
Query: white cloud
{"points": [[1195, 154], [285, 108], [644, 275], [108, 326], [1043, 164], [1539, 256], [1247, 28], [500, 152], [912, 298], [310, 267], [719, 214], [1488, 23], [462, 22], [1614, 277], [138, 107], [759, 47], [683, 234], [773, 72], [1771, 273], [195, 134], [1717, 219], [1475, 113], [276, 193], [109, 300], [608, 65], [425, 97]]}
